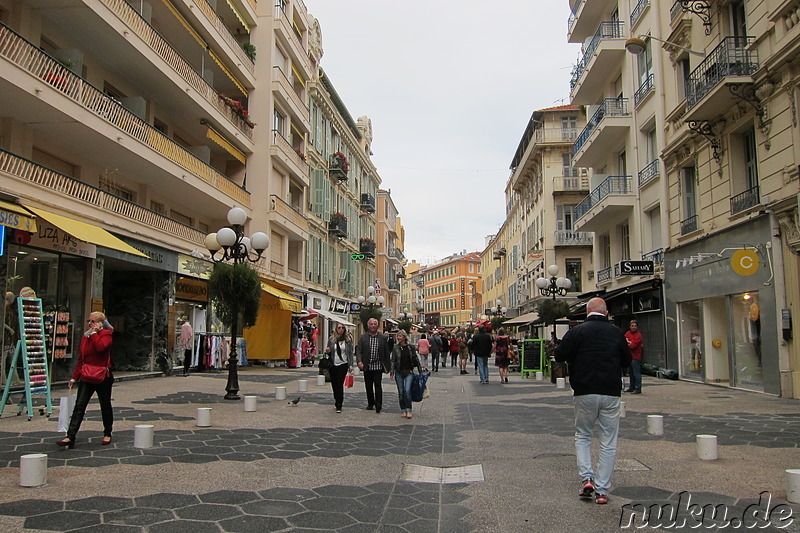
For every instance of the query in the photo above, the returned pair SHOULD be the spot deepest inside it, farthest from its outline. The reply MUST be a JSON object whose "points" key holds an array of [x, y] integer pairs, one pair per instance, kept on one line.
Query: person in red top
{"points": [[634, 338], [95, 349]]}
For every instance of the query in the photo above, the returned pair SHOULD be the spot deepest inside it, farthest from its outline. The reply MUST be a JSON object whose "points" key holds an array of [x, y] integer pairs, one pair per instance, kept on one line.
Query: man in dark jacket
{"points": [[596, 352], [372, 354]]}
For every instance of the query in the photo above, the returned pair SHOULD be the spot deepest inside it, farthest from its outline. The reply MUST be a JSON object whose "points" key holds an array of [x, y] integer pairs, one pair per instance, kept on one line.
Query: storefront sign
{"points": [[338, 306], [745, 262], [50, 237], [156, 257], [635, 268], [647, 301], [16, 220], [191, 289], [355, 307], [194, 266]]}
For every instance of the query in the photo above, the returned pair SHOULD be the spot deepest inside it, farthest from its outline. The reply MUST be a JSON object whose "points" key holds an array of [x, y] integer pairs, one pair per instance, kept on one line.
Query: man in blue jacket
{"points": [[596, 352]]}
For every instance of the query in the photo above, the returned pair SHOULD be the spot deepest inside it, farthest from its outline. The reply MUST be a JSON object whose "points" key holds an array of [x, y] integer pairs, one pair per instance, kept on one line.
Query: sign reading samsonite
{"points": [[636, 268]]}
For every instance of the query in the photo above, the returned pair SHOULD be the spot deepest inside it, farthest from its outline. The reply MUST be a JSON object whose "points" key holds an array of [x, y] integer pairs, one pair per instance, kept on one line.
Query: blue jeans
{"points": [[404, 381], [591, 408], [636, 375], [483, 368], [435, 361]]}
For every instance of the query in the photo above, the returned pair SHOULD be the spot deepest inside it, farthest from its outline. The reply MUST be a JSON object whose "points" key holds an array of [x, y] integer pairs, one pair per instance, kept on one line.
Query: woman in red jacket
{"points": [[95, 350]]}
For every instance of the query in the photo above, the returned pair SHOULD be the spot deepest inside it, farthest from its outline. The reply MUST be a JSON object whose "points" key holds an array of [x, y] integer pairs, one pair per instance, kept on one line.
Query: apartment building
{"points": [[390, 258], [412, 296], [692, 144], [450, 287]]}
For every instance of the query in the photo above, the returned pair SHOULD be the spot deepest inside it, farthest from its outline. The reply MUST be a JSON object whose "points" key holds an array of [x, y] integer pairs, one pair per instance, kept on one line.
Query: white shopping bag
{"points": [[65, 406]]}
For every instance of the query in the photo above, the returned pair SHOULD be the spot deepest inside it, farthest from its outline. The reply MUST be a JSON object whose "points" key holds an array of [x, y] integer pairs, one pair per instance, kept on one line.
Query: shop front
{"points": [[271, 337], [643, 302], [721, 308]]}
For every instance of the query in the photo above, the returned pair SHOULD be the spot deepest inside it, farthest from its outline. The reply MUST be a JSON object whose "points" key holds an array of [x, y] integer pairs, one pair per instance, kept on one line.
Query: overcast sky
{"points": [[449, 86]]}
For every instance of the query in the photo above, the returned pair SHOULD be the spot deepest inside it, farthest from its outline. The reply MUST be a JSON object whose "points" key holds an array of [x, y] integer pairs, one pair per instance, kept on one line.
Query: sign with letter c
{"points": [[745, 262]]}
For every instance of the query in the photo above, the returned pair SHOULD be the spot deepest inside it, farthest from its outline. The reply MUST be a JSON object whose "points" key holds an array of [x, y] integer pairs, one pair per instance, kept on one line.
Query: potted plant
{"points": [[249, 51], [239, 110]]}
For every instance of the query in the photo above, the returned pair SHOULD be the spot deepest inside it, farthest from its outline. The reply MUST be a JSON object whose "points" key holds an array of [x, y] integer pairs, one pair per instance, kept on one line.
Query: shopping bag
{"points": [[348, 380], [65, 406], [418, 385]]}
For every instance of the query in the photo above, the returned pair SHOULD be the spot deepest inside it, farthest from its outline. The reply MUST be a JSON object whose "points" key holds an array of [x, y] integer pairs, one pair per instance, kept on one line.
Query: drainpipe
{"points": [[779, 286]]}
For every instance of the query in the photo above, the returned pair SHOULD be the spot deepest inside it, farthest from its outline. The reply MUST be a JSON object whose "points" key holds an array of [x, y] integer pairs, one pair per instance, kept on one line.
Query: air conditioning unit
{"points": [[590, 274]]}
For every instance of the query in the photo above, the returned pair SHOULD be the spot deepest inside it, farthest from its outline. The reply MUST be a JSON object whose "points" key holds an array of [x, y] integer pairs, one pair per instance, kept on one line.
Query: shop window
{"points": [[692, 361], [574, 274], [746, 328]]}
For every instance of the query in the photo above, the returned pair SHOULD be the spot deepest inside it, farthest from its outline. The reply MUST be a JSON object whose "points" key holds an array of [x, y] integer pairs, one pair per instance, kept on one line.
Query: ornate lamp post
{"points": [[555, 286], [499, 310], [405, 315], [235, 248]]}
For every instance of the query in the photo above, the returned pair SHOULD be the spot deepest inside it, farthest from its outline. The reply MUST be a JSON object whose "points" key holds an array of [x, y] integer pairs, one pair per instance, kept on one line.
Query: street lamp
{"points": [[499, 310], [405, 315], [238, 249], [371, 299], [553, 286]]}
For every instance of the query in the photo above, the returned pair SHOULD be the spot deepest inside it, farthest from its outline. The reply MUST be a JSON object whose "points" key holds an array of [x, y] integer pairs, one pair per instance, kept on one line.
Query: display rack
{"points": [[32, 350]]}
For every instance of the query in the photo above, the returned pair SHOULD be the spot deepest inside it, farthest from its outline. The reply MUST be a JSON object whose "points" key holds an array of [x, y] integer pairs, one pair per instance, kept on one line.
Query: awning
{"points": [[222, 141], [391, 321], [86, 232], [336, 318], [521, 320], [15, 216], [285, 302]]}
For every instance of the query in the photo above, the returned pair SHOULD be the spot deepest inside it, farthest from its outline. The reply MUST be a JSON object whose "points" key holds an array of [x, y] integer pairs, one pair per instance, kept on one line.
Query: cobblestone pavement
{"points": [[304, 468]]}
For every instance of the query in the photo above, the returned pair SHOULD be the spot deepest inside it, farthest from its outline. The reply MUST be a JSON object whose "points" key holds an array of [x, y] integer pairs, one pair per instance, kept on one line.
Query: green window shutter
{"points": [[318, 206]]}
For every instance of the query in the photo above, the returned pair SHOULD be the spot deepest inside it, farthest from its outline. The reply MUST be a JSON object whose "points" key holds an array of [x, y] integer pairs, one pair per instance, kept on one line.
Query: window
{"points": [[160, 126], [278, 123], [569, 128], [565, 215], [180, 217], [684, 70], [471, 268], [54, 163], [750, 161], [157, 207], [645, 62], [567, 168], [738, 21], [605, 249], [651, 145], [625, 240], [688, 193], [573, 273]]}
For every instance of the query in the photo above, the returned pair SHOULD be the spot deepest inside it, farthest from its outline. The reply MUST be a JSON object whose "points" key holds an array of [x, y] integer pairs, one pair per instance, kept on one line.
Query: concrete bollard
{"points": [[203, 417], [655, 425], [622, 409], [143, 436], [707, 447], [561, 383], [33, 470], [540, 376], [320, 380], [793, 485], [280, 393], [250, 403], [302, 385]]}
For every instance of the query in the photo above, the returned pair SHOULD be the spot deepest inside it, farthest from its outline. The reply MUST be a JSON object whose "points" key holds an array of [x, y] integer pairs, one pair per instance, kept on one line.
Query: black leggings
{"points": [[338, 373], [85, 392]]}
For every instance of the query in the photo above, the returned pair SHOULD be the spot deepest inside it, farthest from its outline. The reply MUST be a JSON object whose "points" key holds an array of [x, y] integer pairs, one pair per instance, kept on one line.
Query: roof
{"points": [[527, 135]]}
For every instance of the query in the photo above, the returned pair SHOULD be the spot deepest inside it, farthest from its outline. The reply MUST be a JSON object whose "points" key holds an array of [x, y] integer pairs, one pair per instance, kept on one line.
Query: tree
{"points": [[369, 311], [232, 289], [405, 325], [497, 322], [551, 310]]}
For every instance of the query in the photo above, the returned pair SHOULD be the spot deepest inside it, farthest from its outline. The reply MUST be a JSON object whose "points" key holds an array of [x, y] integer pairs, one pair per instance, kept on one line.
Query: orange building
{"points": [[451, 288]]}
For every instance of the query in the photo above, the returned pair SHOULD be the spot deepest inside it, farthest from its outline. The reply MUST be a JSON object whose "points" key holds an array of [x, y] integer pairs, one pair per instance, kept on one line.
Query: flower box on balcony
{"points": [[367, 247], [367, 203], [339, 166], [239, 110], [338, 225]]}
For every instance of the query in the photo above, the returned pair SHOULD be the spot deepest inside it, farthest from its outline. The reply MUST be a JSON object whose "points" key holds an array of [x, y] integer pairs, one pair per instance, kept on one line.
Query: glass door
{"points": [[745, 314], [692, 363]]}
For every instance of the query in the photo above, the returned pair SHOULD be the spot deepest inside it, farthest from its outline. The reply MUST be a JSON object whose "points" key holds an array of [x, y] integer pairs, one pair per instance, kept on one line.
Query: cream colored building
{"points": [[700, 126], [390, 258]]}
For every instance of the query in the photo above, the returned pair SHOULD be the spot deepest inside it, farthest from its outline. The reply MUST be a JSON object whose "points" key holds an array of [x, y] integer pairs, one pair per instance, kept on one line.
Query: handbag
{"points": [[93, 374], [349, 379]]}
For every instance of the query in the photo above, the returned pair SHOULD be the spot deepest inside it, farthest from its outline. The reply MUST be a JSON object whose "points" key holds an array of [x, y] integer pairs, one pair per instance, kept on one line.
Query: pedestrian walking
{"points": [[463, 353], [502, 344], [423, 350], [186, 343], [94, 353], [634, 338], [482, 347], [404, 361], [596, 352], [453, 350], [372, 354], [436, 349], [340, 352]]}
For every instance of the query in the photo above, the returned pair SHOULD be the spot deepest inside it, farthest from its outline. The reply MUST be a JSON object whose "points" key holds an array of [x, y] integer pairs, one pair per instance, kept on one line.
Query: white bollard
{"points": [[280, 393], [33, 470], [655, 425], [622, 409], [302, 385], [320, 380], [203, 417], [561, 383], [250, 403], [539, 376], [793, 485], [707, 447], [143, 436]]}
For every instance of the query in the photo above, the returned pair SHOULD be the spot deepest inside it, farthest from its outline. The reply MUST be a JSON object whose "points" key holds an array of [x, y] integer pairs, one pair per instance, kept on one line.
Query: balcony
{"points": [[573, 238], [288, 217], [602, 55], [292, 159], [338, 225], [288, 36], [603, 275], [648, 86], [367, 247], [393, 285], [284, 90], [657, 257], [108, 207], [396, 254], [688, 225], [570, 184], [338, 166], [607, 204], [746, 200], [222, 29], [608, 126], [711, 86], [367, 203], [638, 11], [586, 15], [649, 172]]}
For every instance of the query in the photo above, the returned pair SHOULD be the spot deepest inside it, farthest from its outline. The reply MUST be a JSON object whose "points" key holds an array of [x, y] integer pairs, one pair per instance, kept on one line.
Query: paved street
{"points": [[497, 457]]}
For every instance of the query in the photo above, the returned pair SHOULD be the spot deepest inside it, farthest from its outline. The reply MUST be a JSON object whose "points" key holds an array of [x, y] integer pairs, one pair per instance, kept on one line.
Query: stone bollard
{"points": [[707, 447], [203, 417], [250, 403], [302, 385], [33, 470], [540, 376], [622, 409], [320, 380], [561, 383], [280, 393], [793, 485], [655, 425], [143, 436]]}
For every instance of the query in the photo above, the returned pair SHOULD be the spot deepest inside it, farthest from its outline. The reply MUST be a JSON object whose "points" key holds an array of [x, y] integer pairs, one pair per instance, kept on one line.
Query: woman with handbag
{"points": [[502, 344], [93, 374], [404, 360], [340, 352]]}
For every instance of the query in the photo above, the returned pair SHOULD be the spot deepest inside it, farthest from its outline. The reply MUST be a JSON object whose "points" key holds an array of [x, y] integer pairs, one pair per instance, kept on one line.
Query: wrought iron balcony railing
{"points": [[647, 86], [656, 256], [689, 225], [367, 203], [609, 29], [732, 57], [745, 200], [638, 10], [604, 274], [338, 226], [611, 185], [367, 247], [568, 237], [611, 107], [649, 172]]}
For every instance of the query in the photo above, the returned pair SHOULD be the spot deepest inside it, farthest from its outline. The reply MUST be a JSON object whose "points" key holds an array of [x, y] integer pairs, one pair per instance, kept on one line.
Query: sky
{"points": [[449, 86]]}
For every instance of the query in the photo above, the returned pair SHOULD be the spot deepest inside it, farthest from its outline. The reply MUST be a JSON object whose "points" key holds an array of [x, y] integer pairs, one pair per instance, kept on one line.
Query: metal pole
{"points": [[233, 360]]}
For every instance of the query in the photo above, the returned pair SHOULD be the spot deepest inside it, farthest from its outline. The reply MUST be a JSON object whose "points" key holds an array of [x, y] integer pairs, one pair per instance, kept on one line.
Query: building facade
{"points": [[390, 258], [449, 288]]}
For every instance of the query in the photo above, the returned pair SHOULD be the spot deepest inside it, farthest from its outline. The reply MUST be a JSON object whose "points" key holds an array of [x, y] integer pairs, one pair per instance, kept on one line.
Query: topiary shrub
{"points": [[232, 289]]}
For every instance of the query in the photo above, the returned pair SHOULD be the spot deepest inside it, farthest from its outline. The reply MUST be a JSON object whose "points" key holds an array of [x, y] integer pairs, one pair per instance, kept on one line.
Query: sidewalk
{"points": [[304, 468]]}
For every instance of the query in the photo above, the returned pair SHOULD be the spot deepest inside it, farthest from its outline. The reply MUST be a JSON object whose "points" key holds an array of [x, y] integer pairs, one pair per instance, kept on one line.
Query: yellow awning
{"points": [[86, 232], [300, 77], [222, 141], [15, 216], [285, 301], [239, 16], [227, 72]]}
